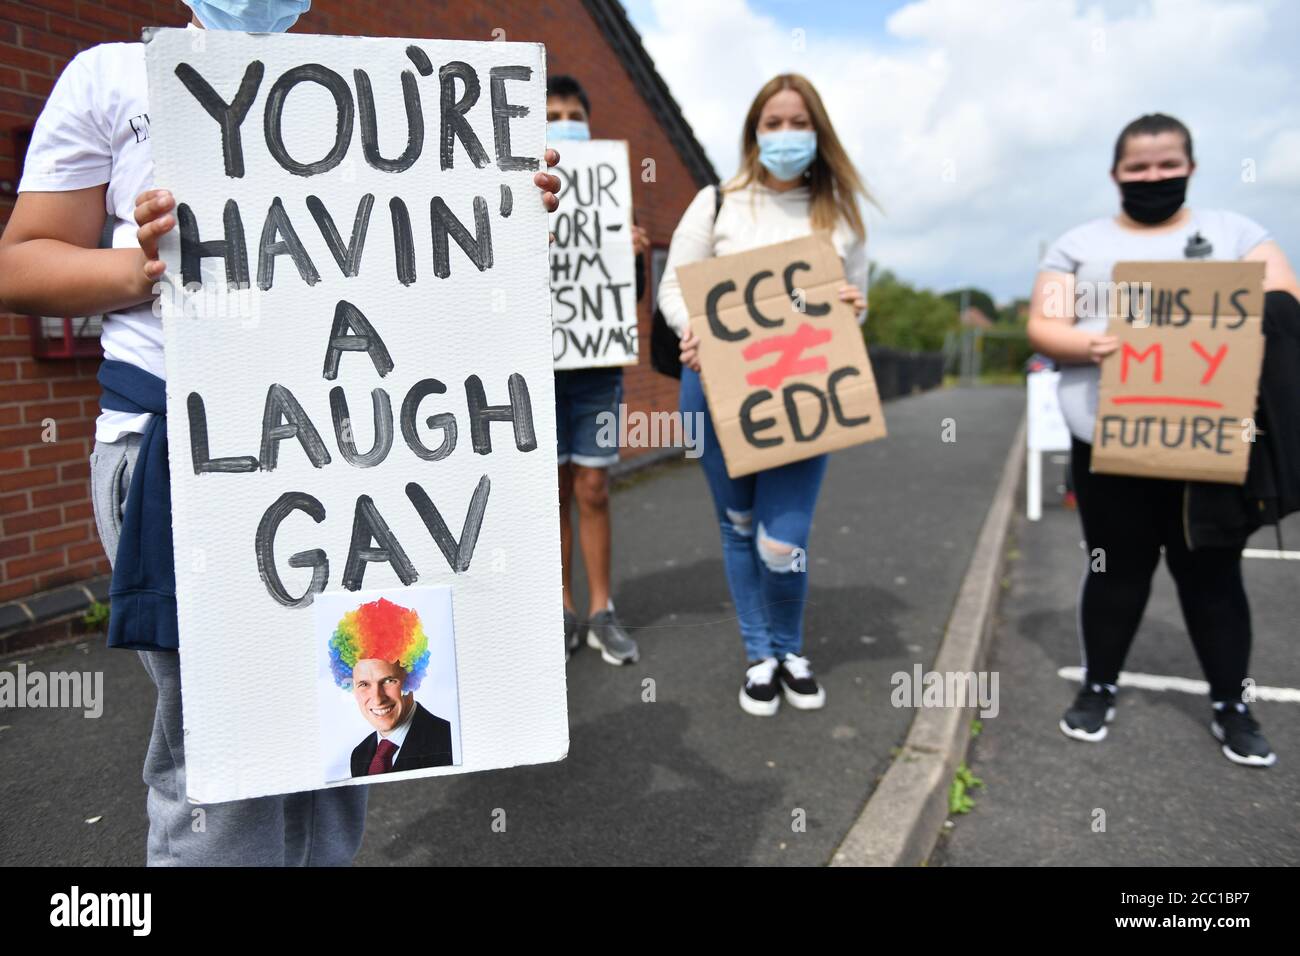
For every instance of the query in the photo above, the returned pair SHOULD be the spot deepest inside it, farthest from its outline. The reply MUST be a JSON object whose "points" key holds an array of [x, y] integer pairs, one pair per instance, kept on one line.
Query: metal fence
{"points": [[901, 373], [972, 353]]}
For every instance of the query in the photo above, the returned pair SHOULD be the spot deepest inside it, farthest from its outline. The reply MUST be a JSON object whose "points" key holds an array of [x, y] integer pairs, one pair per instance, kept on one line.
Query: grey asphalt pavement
{"points": [[1168, 795], [687, 778]]}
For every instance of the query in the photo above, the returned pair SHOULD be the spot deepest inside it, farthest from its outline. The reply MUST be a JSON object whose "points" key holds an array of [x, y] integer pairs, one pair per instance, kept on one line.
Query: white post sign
{"points": [[360, 407], [593, 267], [1046, 431]]}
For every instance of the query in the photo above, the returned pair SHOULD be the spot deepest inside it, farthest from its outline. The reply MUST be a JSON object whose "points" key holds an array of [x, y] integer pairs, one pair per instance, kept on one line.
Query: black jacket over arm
{"points": [[1224, 516]]}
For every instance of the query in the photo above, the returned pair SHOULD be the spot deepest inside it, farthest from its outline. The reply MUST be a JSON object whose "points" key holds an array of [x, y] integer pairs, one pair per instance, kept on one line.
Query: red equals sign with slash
{"points": [[791, 362]]}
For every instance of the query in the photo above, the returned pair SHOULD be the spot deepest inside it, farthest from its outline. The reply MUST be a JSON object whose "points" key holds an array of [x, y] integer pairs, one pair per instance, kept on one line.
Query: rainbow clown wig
{"points": [[379, 630]]}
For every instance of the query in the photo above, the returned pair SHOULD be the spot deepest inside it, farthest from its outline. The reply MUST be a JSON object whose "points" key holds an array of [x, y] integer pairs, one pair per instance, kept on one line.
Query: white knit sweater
{"points": [[750, 217]]}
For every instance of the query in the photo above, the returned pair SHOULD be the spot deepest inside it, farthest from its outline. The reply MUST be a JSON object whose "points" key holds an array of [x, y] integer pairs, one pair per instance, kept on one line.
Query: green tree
{"points": [[1011, 312], [979, 299], [905, 317]]}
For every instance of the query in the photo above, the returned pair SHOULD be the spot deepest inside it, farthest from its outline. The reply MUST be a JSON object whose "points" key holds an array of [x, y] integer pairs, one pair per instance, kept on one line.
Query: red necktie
{"points": [[382, 761]]}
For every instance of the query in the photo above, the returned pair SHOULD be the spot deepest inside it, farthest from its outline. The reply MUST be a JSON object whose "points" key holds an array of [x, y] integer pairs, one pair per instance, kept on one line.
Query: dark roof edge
{"points": [[612, 20]]}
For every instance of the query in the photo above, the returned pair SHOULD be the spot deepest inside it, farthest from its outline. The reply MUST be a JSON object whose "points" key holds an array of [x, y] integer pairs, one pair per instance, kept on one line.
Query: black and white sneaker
{"points": [[606, 633], [1093, 709], [1239, 733], [759, 695], [798, 685]]}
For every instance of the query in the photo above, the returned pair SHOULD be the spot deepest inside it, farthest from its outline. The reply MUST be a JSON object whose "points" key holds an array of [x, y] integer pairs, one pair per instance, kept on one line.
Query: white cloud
{"points": [[985, 127], [1280, 168]]}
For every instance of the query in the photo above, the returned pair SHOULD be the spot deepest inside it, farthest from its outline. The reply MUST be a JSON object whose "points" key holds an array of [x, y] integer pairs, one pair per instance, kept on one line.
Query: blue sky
{"points": [[865, 18], [984, 127]]}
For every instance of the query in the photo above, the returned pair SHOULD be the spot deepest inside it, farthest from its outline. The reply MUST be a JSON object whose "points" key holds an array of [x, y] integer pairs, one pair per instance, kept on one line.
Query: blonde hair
{"points": [[833, 181]]}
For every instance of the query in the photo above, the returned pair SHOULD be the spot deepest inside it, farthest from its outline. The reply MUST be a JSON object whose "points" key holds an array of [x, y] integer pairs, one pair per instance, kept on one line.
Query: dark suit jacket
{"points": [[427, 744]]}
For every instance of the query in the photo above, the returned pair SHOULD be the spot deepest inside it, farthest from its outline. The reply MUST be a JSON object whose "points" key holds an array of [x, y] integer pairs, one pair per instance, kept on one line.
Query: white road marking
{"points": [[1270, 553], [1287, 695]]}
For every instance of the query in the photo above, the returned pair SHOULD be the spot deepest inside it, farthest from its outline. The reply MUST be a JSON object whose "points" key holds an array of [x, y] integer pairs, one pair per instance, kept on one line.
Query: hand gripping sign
{"points": [[1177, 399], [782, 359], [356, 458]]}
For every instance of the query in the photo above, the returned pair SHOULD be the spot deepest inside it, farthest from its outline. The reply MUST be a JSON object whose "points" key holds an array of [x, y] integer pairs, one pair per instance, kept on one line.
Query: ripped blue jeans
{"points": [[765, 520]]}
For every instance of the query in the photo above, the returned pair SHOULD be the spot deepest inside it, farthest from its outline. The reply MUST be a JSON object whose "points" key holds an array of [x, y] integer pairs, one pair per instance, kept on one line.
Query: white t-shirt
{"points": [[1089, 252], [749, 218], [94, 130]]}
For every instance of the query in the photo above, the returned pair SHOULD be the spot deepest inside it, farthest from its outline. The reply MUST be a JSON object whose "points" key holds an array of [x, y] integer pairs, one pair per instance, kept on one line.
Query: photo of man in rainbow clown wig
{"points": [[379, 652]]}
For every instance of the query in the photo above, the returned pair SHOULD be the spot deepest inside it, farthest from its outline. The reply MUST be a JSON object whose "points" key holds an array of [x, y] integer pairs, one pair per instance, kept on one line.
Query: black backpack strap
{"points": [[665, 351]]}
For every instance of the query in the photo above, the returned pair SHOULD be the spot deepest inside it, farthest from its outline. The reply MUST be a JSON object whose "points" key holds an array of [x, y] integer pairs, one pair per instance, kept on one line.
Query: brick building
{"points": [[51, 563]]}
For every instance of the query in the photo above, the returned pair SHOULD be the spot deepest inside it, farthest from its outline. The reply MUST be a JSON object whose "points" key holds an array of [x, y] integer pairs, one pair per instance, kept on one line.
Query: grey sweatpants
{"points": [[313, 828]]}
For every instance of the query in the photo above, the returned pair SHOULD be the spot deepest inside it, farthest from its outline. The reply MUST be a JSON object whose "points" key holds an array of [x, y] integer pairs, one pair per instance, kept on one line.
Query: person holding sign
{"points": [[584, 397], [795, 180], [91, 151], [1127, 520]]}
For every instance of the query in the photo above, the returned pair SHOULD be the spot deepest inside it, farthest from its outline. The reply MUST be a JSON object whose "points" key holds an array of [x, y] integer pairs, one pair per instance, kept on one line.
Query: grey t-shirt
{"points": [[1090, 252]]}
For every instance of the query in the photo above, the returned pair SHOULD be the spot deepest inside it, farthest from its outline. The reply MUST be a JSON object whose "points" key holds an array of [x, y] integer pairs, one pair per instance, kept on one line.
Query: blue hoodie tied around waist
{"points": [[143, 592]]}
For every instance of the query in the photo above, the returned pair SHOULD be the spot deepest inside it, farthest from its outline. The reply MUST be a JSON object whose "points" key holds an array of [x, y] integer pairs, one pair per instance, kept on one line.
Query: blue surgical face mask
{"points": [[557, 130], [249, 16], [787, 153]]}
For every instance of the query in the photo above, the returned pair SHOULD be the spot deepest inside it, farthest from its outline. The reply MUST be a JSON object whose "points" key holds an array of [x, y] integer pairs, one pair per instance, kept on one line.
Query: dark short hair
{"points": [[565, 86], [1152, 124]]}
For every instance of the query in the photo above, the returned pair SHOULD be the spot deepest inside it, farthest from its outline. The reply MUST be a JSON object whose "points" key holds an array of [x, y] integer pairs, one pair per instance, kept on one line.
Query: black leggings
{"points": [[1129, 519]]}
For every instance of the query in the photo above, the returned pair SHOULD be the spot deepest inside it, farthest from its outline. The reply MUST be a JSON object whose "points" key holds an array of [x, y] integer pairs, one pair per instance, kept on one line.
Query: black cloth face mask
{"points": [[1151, 202]]}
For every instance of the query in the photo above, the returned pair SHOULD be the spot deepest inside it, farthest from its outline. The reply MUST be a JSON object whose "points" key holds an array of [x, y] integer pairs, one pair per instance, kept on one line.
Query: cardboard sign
{"points": [[1177, 400], [360, 407], [782, 359], [593, 267]]}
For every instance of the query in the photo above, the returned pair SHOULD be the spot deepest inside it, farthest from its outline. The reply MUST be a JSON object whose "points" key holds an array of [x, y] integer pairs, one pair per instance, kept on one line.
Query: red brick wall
{"points": [[48, 528]]}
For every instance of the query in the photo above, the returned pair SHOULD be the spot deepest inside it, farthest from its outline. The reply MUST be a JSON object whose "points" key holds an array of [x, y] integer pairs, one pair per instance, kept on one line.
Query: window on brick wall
{"points": [[54, 338]]}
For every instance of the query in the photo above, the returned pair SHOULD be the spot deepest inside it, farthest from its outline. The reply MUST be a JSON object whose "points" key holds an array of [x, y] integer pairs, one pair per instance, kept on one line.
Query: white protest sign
{"points": [[593, 267], [369, 425]]}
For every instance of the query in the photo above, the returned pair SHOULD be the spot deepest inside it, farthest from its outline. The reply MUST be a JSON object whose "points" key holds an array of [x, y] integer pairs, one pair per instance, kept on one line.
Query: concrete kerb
{"points": [[903, 817]]}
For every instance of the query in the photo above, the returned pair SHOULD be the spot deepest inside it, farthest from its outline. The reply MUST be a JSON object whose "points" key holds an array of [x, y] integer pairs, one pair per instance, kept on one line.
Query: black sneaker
{"points": [[570, 633], [1239, 733], [758, 696], [1092, 710], [798, 685]]}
